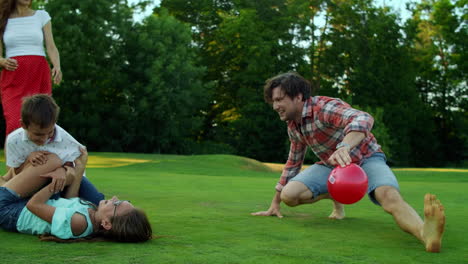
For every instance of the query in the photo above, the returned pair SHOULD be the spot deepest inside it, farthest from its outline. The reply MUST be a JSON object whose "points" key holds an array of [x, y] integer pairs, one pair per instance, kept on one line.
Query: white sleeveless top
{"points": [[24, 35]]}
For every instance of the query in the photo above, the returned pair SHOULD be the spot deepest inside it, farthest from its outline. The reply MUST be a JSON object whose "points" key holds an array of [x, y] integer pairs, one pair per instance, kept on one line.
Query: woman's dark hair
{"points": [[133, 226], [291, 83], [6, 8]]}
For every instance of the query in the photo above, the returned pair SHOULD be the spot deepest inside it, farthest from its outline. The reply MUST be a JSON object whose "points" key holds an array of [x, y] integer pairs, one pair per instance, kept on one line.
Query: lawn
{"points": [[201, 206]]}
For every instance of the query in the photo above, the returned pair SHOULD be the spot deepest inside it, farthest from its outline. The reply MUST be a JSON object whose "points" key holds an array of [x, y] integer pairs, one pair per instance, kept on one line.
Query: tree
{"points": [[242, 43], [437, 34], [348, 49], [91, 36], [127, 87], [355, 52], [167, 95]]}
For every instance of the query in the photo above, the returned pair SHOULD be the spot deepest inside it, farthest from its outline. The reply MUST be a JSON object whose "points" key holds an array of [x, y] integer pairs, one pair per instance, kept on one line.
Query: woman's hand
{"points": [[56, 75], [9, 64], [82, 160], [70, 174], [80, 166], [59, 180]]}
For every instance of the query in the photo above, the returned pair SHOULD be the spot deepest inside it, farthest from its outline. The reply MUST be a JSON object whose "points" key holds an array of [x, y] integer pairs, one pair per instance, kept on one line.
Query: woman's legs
{"points": [[29, 180], [8, 176]]}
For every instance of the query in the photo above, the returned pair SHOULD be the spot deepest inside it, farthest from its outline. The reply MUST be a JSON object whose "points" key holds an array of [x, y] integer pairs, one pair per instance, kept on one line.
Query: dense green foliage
{"points": [[188, 79], [201, 206], [348, 49], [438, 35]]}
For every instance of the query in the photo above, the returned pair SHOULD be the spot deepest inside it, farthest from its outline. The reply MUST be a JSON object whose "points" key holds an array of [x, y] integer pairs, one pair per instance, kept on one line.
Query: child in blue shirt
{"points": [[69, 217]]}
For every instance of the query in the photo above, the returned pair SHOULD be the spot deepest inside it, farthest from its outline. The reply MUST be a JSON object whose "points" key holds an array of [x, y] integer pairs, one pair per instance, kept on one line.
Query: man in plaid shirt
{"points": [[339, 135]]}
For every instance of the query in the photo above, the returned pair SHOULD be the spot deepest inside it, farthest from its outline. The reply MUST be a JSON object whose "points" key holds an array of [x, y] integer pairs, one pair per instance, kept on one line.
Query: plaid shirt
{"points": [[325, 122]]}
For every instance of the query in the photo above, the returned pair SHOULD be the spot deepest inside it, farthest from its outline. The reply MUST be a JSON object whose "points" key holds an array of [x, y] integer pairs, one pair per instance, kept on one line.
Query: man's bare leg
{"points": [[434, 223], [338, 212], [296, 193], [428, 232]]}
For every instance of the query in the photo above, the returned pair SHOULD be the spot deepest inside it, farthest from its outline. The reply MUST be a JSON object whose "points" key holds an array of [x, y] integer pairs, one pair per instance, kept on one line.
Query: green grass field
{"points": [[202, 205]]}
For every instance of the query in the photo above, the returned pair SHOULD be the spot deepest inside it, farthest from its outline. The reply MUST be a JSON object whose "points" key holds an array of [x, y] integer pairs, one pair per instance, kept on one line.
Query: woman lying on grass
{"points": [[69, 217]]}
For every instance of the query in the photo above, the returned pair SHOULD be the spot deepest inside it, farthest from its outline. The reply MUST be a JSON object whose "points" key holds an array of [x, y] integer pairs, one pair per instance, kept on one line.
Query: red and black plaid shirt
{"points": [[325, 122]]}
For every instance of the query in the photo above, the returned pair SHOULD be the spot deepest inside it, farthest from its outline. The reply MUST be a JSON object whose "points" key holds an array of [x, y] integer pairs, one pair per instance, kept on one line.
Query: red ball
{"points": [[347, 185]]}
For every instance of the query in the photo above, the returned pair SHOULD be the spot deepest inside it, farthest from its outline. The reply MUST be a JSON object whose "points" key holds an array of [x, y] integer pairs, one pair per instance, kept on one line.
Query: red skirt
{"points": [[31, 77]]}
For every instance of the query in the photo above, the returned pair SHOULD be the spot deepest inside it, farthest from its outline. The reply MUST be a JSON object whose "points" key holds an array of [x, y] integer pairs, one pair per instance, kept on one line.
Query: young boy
{"points": [[38, 137]]}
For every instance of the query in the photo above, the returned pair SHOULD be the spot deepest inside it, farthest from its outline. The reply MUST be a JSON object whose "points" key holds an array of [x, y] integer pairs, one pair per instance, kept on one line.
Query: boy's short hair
{"points": [[291, 83], [39, 109]]}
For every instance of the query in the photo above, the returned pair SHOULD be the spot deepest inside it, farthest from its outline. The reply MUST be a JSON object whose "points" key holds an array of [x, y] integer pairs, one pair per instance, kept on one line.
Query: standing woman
{"points": [[25, 68]]}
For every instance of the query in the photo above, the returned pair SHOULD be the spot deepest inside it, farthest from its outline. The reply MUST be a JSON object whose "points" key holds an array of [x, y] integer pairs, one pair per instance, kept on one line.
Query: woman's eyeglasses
{"points": [[117, 203]]}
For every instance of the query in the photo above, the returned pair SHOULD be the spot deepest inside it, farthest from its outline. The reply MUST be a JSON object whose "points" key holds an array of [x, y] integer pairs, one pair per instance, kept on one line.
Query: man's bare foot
{"points": [[338, 211], [434, 222]]}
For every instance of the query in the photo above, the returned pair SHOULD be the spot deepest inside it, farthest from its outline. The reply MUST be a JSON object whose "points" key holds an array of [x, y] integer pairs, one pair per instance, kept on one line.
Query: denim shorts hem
{"points": [[379, 174]]}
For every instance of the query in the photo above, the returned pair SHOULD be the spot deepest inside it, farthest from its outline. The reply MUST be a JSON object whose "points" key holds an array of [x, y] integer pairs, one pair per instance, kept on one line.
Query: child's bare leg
{"points": [[338, 211], [28, 181], [434, 222]]}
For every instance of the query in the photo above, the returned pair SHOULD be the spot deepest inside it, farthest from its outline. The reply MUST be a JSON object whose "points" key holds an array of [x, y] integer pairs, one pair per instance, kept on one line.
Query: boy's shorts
{"points": [[378, 173], [11, 206]]}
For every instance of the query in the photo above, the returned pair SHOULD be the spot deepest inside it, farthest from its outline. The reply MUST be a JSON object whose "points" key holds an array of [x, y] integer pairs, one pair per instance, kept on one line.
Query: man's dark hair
{"points": [[39, 109], [290, 83]]}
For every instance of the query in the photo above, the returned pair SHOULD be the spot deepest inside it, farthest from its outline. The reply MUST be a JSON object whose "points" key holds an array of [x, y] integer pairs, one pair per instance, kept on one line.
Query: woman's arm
{"points": [[2, 59], [77, 172], [53, 53], [37, 204], [7, 64]]}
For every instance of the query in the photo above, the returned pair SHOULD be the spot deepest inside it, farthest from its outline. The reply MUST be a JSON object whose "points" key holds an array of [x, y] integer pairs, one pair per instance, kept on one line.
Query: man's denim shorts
{"points": [[378, 173], [11, 206]]}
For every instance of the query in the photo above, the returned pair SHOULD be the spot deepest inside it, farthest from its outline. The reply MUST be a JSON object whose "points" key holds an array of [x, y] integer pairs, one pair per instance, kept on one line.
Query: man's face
{"points": [[40, 136], [288, 108]]}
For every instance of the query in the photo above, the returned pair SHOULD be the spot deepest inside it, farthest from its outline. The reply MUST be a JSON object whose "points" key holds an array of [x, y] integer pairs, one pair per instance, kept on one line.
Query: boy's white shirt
{"points": [[18, 147]]}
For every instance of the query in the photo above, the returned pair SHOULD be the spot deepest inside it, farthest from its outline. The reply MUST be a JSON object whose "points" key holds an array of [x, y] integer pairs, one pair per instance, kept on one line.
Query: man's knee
{"points": [[292, 193], [388, 197], [289, 198]]}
